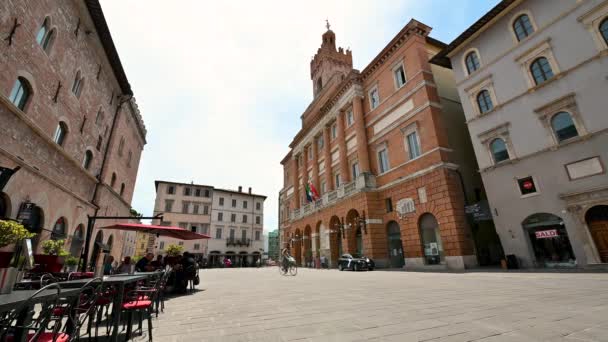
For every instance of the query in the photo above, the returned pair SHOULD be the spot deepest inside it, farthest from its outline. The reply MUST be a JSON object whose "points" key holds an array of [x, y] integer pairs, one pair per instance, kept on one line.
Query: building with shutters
{"points": [[388, 151]]}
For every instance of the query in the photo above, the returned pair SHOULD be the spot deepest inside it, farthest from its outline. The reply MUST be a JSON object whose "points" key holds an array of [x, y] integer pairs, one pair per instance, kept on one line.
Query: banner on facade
{"points": [[546, 234]]}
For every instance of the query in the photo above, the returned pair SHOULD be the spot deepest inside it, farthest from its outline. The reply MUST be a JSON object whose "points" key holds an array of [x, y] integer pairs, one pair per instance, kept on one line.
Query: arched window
{"points": [[99, 142], [472, 62], [42, 32], [563, 126], [21, 93], [431, 239], [121, 145], [113, 181], [88, 157], [522, 27], [499, 150], [484, 101], [77, 241], [122, 189], [541, 70], [60, 133], [59, 229], [129, 156], [604, 29], [78, 84]]}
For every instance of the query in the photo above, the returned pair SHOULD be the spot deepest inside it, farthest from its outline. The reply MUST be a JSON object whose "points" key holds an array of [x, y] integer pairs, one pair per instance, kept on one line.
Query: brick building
{"points": [[388, 151], [69, 121]]}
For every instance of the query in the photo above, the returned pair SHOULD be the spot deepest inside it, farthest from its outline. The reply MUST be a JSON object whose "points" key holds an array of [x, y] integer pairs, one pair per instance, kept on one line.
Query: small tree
{"points": [[174, 250], [71, 261], [54, 247], [12, 232]]}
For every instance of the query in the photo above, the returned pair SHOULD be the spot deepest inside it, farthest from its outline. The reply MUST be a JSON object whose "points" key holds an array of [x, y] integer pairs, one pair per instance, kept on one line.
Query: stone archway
{"points": [[430, 237], [96, 248], [354, 241], [597, 221], [77, 241], [307, 246], [335, 241], [316, 240]]}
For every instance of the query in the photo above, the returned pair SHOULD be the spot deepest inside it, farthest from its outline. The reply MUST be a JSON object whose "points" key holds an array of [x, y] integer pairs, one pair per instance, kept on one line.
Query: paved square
{"points": [[328, 305]]}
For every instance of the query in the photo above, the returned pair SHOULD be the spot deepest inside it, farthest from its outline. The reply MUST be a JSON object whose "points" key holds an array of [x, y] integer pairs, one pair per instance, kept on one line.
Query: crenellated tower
{"points": [[329, 62]]}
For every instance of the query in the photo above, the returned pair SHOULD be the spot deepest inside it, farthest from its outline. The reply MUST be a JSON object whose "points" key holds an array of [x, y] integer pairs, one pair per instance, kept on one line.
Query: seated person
{"points": [[125, 266], [158, 263], [185, 271], [144, 265]]}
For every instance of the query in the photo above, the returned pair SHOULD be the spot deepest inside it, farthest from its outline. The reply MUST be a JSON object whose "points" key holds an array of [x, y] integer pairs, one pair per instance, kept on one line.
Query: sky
{"points": [[221, 85]]}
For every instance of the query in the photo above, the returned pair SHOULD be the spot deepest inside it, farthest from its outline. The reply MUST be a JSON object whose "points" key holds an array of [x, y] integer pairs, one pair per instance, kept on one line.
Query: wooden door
{"points": [[599, 231]]}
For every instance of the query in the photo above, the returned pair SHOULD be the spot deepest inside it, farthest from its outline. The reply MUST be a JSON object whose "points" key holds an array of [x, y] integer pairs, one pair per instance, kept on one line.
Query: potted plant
{"points": [[53, 256], [173, 254], [11, 232], [71, 263]]}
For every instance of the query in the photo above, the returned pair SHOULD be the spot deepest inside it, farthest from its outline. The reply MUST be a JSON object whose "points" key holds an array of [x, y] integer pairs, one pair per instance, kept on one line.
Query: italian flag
{"points": [[311, 192]]}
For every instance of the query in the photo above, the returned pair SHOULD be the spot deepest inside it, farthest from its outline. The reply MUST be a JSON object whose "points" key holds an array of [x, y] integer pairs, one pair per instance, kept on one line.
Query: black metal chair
{"points": [[141, 300], [42, 328]]}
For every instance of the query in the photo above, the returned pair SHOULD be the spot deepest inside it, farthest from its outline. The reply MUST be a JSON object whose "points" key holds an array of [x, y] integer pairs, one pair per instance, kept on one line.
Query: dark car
{"points": [[355, 262]]}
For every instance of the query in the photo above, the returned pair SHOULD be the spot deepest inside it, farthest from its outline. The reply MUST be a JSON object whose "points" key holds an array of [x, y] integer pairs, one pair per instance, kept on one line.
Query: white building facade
{"points": [[237, 225]]}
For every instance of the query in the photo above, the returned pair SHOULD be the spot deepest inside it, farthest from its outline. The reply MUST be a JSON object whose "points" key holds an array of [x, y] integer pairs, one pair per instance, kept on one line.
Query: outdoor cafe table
{"points": [[16, 298], [119, 281]]}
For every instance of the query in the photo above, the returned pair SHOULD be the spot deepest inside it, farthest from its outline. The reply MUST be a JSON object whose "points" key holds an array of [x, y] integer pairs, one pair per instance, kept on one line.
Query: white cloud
{"points": [[221, 85]]}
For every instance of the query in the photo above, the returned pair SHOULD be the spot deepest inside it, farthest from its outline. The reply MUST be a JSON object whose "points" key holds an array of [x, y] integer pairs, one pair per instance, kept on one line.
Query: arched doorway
{"points": [[96, 249], [242, 259], [352, 224], [256, 258], [335, 241], [597, 221], [431, 240], [5, 206], [549, 240], [307, 242], [297, 246], [59, 229], [77, 241], [214, 259], [395, 245]]}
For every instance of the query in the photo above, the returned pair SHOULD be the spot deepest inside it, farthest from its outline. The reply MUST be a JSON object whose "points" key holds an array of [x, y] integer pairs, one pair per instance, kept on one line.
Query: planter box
{"points": [[49, 263], [5, 259]]}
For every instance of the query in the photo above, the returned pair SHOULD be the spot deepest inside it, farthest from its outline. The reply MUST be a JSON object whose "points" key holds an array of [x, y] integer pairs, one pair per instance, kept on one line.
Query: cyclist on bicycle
{"points": [[285, 256]]}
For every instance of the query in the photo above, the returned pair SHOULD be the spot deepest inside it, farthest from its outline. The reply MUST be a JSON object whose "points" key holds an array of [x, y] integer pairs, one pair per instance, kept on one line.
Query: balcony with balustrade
{"points": [[364, 182]]}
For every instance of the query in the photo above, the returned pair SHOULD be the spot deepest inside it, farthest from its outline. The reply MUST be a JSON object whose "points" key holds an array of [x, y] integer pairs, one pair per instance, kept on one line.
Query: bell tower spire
{"points": [[329, 61]]}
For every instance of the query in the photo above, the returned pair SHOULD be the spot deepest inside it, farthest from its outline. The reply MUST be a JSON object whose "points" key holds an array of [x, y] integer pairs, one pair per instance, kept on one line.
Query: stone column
{"points": [[362, 152], [344, 169], [296, 185], [327, 150]]}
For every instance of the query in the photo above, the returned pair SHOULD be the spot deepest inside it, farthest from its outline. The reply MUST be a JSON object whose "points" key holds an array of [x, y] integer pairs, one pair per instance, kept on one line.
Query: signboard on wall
{"points": [[546, 234], [479, 211]]}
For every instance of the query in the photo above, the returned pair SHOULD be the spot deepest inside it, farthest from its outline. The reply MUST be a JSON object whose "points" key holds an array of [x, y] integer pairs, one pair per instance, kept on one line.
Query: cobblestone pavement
{"points": [[328, 305]]}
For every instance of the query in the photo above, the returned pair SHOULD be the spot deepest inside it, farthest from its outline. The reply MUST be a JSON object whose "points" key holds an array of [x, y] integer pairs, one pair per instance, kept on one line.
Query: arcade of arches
{"points": [[436, 233]]}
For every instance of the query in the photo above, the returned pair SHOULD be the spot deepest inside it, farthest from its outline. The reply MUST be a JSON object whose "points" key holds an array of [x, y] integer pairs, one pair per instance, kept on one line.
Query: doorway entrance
{"points": [[431, 240], [395, 245], [597, 221]]}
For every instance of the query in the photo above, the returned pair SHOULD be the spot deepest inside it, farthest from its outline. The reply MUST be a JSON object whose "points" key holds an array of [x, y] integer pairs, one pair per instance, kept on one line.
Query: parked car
{"points": [[355, 262]]}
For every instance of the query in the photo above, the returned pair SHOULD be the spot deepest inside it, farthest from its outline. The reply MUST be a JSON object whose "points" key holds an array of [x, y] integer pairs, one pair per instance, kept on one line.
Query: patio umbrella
{"points": [[173, 232]]}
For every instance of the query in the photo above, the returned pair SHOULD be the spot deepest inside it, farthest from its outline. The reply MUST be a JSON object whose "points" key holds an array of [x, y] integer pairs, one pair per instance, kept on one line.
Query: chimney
{"points": [[250, 190], [240, 188]]}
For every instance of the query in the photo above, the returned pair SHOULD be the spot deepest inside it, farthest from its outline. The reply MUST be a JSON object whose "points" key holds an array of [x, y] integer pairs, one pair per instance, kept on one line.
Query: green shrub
{"points": [[54, 247], [174, 250], [13, 232]]}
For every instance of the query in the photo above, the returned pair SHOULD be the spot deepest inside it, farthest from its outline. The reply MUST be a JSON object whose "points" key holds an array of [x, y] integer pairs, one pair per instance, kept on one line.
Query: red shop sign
{"points": [[544, 234]]}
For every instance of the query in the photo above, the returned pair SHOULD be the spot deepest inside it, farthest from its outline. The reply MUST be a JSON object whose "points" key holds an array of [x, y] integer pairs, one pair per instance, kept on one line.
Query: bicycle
{"points": [[292, 269]]}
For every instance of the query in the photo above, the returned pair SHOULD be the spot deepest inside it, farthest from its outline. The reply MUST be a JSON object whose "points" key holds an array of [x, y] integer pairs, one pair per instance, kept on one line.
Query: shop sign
{"points": [[479, 211], [546, 234]]}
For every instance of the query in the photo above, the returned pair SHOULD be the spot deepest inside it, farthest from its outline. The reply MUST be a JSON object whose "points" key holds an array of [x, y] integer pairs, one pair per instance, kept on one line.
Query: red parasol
{"points": [[173, 232]]}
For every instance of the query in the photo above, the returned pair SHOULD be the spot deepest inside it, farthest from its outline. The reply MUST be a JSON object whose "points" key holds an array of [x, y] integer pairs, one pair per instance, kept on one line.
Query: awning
{"points": [[173, 232]]}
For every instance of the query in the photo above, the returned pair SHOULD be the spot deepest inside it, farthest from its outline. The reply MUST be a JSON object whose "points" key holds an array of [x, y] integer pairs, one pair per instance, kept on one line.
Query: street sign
{"points": [[546, 234]]}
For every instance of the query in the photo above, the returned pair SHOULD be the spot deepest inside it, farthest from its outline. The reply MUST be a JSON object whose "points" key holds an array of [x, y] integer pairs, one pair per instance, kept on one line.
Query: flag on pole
{"points": [[308, 193], [314, 194]]}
